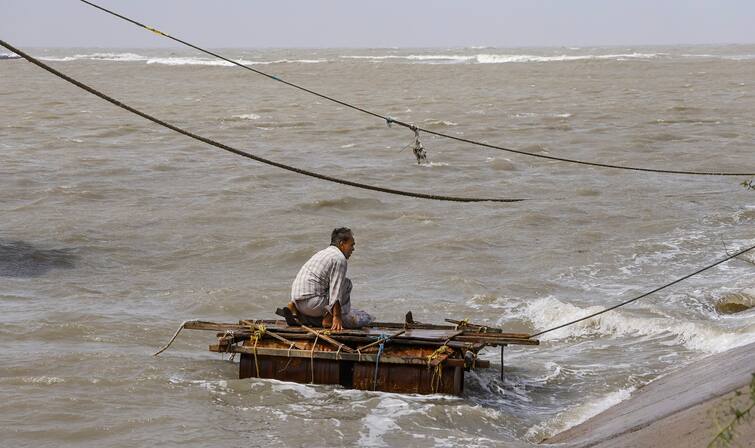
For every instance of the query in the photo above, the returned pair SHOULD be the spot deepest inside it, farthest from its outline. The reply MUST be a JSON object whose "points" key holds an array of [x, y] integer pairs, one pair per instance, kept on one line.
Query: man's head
{"points": [[343, 239]]}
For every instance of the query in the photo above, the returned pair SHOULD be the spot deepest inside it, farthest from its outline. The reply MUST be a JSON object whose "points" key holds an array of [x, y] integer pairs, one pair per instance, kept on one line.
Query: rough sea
{"points": [[113, 231]]}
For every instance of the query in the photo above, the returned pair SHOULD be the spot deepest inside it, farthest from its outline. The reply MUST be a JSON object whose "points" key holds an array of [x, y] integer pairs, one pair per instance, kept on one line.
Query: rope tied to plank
{"points": [[312, 359], [437, 376], [175, 335], [258, 334], [229, 343], [381, 346]]}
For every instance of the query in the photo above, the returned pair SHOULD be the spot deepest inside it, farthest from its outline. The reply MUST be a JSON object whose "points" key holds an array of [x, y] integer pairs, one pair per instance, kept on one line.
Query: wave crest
{"points": [[698, 336]]}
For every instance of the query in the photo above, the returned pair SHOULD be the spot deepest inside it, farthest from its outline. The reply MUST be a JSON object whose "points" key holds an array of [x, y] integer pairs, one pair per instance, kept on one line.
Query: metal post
{"points": [[502, 362]]}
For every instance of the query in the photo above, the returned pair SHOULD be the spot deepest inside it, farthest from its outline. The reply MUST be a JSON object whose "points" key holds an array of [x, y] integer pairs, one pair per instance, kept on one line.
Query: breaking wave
{"points": [[576, 415], [172, 60], [699, 336], [504, 58]]}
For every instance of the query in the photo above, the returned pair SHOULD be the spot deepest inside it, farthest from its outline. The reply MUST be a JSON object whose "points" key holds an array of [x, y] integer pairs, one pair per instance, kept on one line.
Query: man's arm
{"points": [[337, 285]]}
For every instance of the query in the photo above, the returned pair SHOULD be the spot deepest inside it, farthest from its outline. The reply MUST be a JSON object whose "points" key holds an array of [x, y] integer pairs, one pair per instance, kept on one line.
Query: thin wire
{"points": [[723, 260], [244, 153], [389, 120]]}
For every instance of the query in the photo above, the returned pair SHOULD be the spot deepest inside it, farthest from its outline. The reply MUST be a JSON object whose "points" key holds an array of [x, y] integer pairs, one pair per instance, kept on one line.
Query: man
{"points": [[321, 289]]}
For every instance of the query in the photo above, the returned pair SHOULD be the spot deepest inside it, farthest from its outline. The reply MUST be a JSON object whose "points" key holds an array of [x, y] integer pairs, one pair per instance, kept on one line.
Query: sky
{"points": [[383, 23]]}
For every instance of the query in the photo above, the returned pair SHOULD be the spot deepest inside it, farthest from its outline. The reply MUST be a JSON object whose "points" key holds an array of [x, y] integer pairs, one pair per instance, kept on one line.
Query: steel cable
{"points": [[244, 153], [391, 120], [723, 260]]}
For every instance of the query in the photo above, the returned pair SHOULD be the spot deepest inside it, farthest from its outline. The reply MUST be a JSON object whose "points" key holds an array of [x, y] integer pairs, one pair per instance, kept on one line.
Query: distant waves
{"points": [[462, 56]]}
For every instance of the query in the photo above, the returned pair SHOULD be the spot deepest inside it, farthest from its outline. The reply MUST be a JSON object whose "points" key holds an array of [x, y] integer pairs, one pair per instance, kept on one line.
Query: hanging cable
{"points": [[723, 260], [244, 153], [390, 120]]}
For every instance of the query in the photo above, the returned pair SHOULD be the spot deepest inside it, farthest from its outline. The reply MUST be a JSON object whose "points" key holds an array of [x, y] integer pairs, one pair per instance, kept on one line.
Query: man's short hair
{"points": [[340, 235]]}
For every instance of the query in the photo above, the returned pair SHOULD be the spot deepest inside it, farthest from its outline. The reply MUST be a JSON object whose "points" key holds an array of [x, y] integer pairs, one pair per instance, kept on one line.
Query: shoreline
{"points": [[677, 410]]}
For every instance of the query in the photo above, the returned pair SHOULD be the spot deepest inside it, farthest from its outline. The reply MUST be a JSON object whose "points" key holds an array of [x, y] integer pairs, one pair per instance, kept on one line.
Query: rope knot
{"points": [[258, 333], [442, 350]]}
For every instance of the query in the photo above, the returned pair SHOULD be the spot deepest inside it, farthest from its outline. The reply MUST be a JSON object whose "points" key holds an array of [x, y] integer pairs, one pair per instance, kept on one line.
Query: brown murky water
{"points": [[113, 231]]}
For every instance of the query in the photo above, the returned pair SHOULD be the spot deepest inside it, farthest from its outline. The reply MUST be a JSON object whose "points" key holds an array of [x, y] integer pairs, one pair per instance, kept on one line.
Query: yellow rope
{"points": [[437, 373], [463, 323], [312, 359], [256, 336], [437, 377]]}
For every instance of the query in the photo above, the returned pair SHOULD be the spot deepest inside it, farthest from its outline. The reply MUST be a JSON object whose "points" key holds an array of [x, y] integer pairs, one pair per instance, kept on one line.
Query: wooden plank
{"points": [[272, 334], [381, 340], [485, 329], [386, 358], [419, 334], [432, 335], [497, 341], [473, 345], [412, 325], [330, 340]]}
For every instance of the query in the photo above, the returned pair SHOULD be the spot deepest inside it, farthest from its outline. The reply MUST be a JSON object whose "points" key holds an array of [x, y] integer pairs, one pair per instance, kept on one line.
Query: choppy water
{"points": [[114, 231]]}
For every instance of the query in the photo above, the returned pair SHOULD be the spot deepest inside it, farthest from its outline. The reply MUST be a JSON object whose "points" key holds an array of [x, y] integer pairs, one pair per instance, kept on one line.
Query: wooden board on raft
{"points": [[390, 357]]}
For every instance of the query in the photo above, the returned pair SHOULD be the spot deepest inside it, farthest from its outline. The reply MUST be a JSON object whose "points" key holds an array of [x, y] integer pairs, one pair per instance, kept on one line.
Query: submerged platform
{"points": [[405, 357]]}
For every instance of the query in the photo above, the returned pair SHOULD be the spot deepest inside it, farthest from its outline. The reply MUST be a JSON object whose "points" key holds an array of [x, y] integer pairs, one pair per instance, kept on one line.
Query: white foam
{"points": [[305, 391], [576, 415], [382, 420], [485, 58], [729, 57], [504, 58], [173, 60], [43, 380], [247, 117], [441, 122], [700, 336]]}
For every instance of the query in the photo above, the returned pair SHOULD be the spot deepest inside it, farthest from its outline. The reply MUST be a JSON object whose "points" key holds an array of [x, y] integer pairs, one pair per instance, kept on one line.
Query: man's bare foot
{"points": [[291, 307]]}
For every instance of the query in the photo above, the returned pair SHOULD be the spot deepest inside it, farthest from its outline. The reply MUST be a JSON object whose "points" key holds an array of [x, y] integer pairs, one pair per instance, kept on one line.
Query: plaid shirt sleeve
{"points": [[337, 281]]}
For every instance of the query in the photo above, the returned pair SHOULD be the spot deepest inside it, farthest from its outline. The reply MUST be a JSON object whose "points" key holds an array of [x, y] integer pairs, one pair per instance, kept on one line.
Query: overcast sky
{"points": [[382, 23]]}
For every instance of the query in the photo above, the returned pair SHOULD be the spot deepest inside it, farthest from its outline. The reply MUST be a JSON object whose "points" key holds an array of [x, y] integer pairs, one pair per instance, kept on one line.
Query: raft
{"points": [[409, 357]]}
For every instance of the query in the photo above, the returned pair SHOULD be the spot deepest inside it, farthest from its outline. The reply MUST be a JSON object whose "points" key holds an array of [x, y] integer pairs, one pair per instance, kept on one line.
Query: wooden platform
{"points": [[405, 357]]}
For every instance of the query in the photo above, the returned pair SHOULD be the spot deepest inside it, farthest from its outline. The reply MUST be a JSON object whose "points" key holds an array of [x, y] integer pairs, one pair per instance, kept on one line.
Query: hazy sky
{"points": [[382, 23]]}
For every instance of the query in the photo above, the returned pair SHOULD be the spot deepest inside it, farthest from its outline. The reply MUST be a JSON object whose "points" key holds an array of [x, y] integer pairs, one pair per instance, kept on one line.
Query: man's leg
{"points": [[344, 300], [352, 317]]}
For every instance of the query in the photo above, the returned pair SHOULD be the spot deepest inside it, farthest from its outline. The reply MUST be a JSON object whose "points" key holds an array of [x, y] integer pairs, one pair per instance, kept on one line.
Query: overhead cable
{"points": [[244, 153], [389, 120]]}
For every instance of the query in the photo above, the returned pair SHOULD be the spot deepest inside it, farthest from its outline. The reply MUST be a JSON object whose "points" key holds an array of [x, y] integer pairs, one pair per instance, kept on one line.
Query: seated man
{"points": [[322, 293]]}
